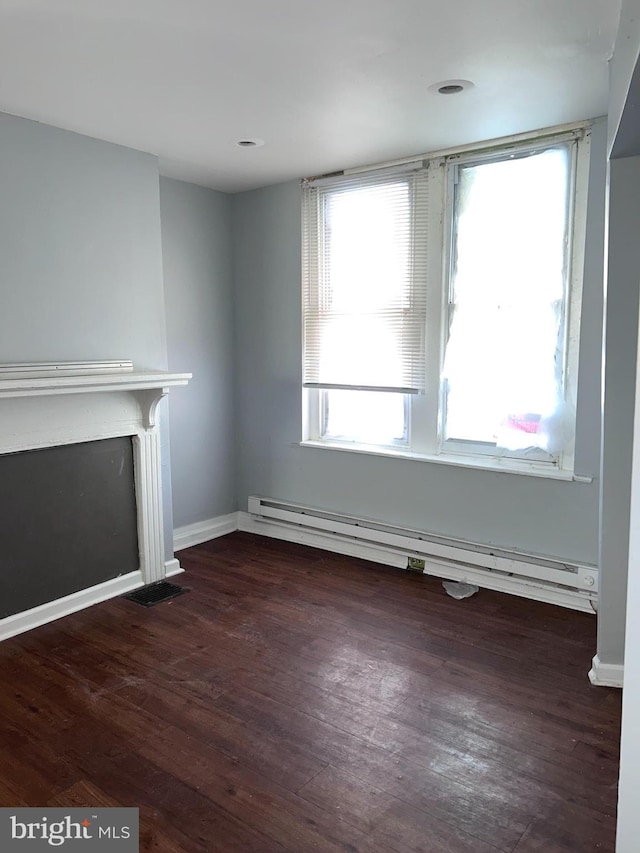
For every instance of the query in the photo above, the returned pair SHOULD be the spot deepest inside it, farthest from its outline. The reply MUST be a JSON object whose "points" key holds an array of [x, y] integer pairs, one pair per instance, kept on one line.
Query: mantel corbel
{"points": [[148, 400]]}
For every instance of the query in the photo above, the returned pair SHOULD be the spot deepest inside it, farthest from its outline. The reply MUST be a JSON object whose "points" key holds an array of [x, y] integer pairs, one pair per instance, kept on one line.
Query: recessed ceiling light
{"points": [[451, 87], [250, 143]]}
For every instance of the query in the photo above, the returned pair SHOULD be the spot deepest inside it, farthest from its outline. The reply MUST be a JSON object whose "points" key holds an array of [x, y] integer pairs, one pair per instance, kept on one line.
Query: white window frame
{"points": [[425, 427], [403, 443]]}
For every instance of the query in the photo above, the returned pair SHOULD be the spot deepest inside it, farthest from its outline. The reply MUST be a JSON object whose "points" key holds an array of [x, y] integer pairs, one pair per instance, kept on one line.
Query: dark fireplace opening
{"points": [[68, 521]]}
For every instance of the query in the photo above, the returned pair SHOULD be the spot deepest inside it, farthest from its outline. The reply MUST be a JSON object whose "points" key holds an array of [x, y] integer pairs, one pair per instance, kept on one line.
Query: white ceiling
{"points": [[327, 85]]}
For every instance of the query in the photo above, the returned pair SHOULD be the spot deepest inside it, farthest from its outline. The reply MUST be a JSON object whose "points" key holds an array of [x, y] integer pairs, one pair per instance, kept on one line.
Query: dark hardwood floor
{"points": [[302, 701]]}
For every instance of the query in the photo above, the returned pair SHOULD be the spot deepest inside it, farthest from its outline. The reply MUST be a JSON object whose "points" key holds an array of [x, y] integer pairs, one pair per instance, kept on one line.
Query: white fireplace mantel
{"points": [[48, 405], [157, 383]]}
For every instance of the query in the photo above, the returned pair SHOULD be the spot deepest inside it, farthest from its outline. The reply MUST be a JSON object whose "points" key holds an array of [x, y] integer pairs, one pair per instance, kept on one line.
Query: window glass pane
{"points": [[367, 269], [503, 370], [366, 417]]}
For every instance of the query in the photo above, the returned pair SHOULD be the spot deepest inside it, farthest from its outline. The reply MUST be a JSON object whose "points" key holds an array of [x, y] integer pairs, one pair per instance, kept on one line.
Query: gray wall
{"points": [[196, 245], [621, 70], [621, 335], [509, 510], [622, 297], [623, 574], [80, 253], [622, 287]]}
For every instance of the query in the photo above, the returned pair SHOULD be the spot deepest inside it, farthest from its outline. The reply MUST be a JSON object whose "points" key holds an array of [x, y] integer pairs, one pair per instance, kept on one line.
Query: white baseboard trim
{"points": [[203, 531], [606, 674], [172, 567], [52, 610], [337, 543]]}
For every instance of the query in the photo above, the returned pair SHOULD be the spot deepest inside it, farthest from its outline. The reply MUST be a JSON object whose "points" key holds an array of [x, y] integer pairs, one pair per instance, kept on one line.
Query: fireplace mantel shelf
{"points": [[149, 387], [87, 383]]}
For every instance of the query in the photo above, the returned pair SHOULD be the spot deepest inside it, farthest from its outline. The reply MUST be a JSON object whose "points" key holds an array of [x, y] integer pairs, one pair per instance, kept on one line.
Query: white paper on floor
{"points": [[459, 590]]}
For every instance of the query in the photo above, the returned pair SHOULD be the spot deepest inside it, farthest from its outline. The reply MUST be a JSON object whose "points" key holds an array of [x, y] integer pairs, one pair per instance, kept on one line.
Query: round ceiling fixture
{"points": [[451, 87], [250, 143]]}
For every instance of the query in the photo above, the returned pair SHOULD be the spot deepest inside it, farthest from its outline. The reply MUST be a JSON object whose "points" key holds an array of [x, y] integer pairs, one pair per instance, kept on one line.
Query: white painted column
{"points": [[629, 790], [148, 473]]}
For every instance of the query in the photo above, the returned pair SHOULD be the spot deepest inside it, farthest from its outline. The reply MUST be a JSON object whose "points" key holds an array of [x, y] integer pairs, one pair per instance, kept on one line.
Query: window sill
{"points": [[481, 463]]}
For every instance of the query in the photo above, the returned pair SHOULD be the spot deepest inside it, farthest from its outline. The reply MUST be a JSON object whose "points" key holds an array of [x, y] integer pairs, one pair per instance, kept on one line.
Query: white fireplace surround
{"points": [[45, 405]]}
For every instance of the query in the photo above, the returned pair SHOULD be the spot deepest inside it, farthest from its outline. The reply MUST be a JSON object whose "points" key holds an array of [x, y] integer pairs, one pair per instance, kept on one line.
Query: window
{"points": [[441, 303]]}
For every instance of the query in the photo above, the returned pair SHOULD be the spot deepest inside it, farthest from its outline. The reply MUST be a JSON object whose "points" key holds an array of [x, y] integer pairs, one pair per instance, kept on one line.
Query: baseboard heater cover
{"points": [[568, 584]]}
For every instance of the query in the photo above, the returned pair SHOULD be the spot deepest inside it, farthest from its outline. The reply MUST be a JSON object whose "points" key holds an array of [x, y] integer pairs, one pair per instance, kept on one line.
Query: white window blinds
{"points": [[364, 270]]}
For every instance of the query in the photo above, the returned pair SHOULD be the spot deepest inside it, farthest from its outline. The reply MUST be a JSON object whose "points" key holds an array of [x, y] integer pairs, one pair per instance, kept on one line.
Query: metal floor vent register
{"points": [[155, 593]]}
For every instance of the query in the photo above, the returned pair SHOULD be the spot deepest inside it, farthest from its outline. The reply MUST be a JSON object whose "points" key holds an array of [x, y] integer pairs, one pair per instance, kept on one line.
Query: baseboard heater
{"points": [[529, 575]]}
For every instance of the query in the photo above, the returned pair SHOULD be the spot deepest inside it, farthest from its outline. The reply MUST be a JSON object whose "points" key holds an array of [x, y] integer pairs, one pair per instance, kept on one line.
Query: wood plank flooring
{"points": [[298, 700]]}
